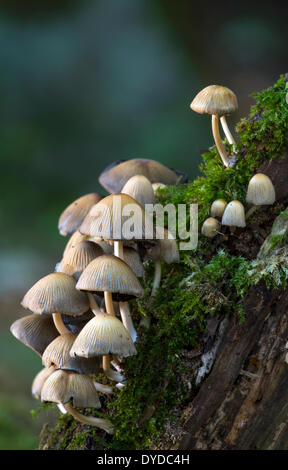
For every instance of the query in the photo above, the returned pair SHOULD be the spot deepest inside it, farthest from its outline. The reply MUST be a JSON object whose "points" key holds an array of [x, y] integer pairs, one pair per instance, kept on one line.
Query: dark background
{"points": [[84, 83]]}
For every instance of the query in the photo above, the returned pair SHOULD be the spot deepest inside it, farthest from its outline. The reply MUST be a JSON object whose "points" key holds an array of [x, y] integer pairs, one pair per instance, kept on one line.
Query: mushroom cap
{"points": [[56, 293], [234, 215], [210, 227], [215, 99], [63, 386], [166, 249], [108, 273], [140, 188], [39, 381], [218, 207], [78, 257], [77, 237], [157, 186], [57, 354], [72, 217], [103, 335], [106, 219], [260, 190], [133, 259], [35, 331], [114, 177]]}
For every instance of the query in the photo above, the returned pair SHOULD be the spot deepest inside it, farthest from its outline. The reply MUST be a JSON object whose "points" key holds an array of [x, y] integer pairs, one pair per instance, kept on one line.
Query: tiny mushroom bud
{"points": [[260, 192], [210, 227], [234, 215], [218, 207]]}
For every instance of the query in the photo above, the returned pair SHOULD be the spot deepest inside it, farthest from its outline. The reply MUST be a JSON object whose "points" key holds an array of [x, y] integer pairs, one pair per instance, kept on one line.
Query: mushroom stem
{"points": [[58, 322], [250, 211], [103, 388], [93, 304], [157, 277], [118, 249], [227, 132], [101, 423], [127, 320], [109, 303], [111, 374], [218, 141]]}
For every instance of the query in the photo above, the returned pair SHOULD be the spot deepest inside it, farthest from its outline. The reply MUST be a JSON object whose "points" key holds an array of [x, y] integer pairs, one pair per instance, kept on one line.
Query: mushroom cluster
{"points": [[74, 325]]}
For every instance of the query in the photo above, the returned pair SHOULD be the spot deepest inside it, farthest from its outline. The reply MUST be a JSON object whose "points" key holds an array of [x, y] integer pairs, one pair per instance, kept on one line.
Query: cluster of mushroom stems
{"points": [[81, 322]]}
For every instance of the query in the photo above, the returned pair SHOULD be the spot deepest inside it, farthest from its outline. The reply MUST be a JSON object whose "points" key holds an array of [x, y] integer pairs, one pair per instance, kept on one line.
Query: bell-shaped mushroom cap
{"points": [[157, 186], [210, 227], [39, 381], [56, 293], [109, 219], [77, 237], [78, 257], [72, 217], [35, 331], [140, 188], [133, 259], [108, 273], [114, 177], [166, 249], [260, 191], [103, 335], [218, 207], [215, 99], [57, 354], [234, 215], [63, 386]]}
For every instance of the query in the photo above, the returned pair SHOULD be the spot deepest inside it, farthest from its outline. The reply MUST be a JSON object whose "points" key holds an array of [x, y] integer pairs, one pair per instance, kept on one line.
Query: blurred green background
{"points": [[84, 83]]}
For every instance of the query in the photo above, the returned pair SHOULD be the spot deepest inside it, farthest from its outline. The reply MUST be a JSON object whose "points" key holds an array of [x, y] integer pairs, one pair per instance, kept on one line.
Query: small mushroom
{"points": [[234, 215], [260, 192], [77, 258], [140, 188], [73, 390], [217, 101], [210, 227], [39, 381], [218, 207], [35, 331], [157, 186], [72, 217]]}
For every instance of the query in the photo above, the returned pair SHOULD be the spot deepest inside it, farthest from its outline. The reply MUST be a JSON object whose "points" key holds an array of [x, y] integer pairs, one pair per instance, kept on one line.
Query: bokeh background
{"points": [[84, 83]]}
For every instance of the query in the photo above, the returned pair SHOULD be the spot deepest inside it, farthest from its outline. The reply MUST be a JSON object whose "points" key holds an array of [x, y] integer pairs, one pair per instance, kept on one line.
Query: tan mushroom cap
{"points": [[234, 215], [114, 178], [215, 99], [109, 219], [78, 257], [39, 381], [72, 217], [57, 354], [133, 259], [56, 293], [166, 249], [103, 335], [210, 227], [108, 273], [140, 188], [260, 190], [35, 331], [77, 237], [218, 207], [63, 386]]}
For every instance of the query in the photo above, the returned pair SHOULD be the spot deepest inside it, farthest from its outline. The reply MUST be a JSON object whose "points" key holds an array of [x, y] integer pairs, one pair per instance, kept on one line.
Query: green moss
{"points": [[205, 283]]}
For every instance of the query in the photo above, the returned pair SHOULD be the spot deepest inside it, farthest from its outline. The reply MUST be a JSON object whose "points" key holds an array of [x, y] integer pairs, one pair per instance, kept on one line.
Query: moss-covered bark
{"points": [[221, 311]]}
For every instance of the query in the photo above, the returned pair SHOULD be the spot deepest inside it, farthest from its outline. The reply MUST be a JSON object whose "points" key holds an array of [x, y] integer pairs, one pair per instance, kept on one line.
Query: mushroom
{"points": [[260, 192], [72, 217], [140, 188], [218, 207], [111, 275], [114, 177], [234, 215], [35, 331], [210, 227], [55, 294], [39, 381], [77, 237], [73, 390], [217, 101], [157, 186]]}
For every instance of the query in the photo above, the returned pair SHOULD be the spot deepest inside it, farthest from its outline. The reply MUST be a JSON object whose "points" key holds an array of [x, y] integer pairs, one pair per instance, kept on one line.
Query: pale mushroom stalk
{"points": [[58, 322], [111, 374], [103, 388], [118, 249], [218, 141], [109, 303], [101, 423], [227, 132], [157, 277], [93, 304]]}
